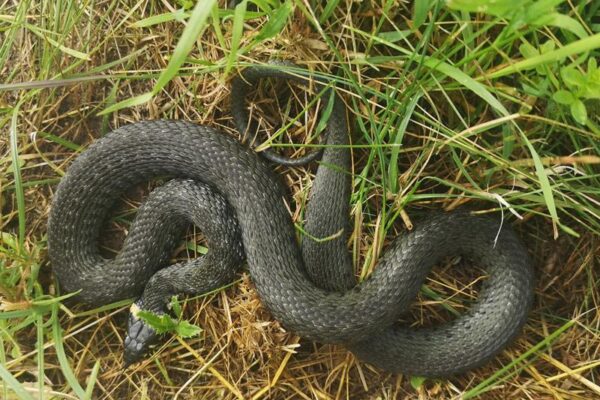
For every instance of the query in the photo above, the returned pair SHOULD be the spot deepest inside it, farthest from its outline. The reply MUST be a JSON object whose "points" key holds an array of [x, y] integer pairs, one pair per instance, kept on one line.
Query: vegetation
{"points": [[493, 104]]}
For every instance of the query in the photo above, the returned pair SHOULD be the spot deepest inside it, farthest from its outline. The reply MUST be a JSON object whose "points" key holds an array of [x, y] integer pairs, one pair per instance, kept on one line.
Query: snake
{"points": [[304, 277]]}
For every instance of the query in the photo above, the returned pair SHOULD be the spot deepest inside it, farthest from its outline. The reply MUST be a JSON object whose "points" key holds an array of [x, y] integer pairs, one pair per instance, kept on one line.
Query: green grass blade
{"points": [[68, 50], [580, 46], [15, 314], [89, 390], [393, 164], [39, 324], [14, 384], [467, 82], [571, 24], [503, 373], [131, 102], [45, 35], [161, 18], [9, 35], [125, 59], [107, 307], [195, 25], [65, 365], [328, 10], [3, 355], [236, 34], [544, 183], [448, 70], [48, 83], [276, 22], [59, 140], [421, 7], [16, 168], [163, 371]]}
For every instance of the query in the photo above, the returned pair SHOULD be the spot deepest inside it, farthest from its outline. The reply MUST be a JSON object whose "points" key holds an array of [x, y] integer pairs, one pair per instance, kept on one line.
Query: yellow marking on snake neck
{"points": [[134, 309]]}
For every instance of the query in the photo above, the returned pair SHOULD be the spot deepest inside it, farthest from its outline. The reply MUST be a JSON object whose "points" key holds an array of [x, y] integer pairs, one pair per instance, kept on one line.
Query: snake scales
{"points": [[230, 192]]}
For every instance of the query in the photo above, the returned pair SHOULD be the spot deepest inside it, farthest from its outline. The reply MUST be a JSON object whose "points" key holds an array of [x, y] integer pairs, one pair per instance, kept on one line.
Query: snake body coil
{"points": [[219, 183]]}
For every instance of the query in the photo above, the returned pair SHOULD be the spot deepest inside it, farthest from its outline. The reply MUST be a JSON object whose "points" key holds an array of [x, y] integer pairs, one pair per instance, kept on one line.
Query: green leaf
{"points": [[162, 323], [528, 51], [592, 66], [186, 4], [547, 46], [573, 77], [417, 381], [564, 97], [276, 22], [175, 306], [579, 112], [420, 12], [151, 319], [10, 240], [187, 330], [193, 246]]}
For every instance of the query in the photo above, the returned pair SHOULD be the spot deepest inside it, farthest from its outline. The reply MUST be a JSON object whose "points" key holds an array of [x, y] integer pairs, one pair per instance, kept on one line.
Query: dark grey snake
{"points": [[230, 192]]}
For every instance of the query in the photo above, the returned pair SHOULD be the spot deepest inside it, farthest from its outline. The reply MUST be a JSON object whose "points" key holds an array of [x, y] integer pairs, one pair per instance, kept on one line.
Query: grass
{"points": [[450, 104]]}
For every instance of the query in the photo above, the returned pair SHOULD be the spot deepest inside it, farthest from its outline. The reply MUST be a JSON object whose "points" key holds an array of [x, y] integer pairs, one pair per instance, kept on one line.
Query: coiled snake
{"points": [[230, 192]]}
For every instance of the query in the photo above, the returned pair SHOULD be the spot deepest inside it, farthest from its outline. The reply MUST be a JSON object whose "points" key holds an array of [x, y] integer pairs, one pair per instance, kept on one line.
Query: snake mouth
{"points": [[140, 338]]}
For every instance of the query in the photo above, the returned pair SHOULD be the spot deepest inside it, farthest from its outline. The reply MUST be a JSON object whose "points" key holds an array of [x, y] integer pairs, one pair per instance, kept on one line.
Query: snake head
{"points": [[140, 336]]}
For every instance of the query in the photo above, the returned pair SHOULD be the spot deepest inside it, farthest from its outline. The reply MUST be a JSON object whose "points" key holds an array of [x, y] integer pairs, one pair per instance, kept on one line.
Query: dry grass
{"points": [[243, 352]]}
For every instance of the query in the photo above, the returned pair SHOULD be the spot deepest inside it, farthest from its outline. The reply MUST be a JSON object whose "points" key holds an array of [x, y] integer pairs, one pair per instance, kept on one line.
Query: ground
{"points": [[488, 105]]}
